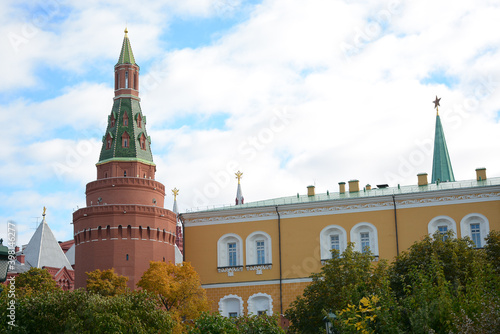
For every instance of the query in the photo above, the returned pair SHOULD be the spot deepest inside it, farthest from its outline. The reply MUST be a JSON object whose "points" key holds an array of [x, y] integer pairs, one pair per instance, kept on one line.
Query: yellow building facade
{"points": [[257, 257]]}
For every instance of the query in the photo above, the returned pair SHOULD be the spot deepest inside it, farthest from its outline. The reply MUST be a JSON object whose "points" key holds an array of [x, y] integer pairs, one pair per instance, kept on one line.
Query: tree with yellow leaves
{"points": [[178, 287], [106, 282]]}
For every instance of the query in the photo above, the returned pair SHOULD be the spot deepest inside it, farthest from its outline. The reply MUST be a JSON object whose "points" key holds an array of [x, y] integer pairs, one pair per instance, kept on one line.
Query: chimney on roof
{"points": [[342, 187], [310, 190], [353, 186], [481, 174], [20, 258], [422, 179], [368, 187]]}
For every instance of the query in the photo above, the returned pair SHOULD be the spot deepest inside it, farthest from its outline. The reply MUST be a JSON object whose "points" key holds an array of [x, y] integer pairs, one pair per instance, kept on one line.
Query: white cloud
{"points": [[313, 92]]}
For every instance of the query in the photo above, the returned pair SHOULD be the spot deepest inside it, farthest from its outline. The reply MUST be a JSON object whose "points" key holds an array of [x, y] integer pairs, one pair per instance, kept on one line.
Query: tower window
{"points": [[125, 140], [127, 257], [125, 119], [126, 79], [117, 80], [108, 144], [124, 173], [139, 121], [136, 81]]}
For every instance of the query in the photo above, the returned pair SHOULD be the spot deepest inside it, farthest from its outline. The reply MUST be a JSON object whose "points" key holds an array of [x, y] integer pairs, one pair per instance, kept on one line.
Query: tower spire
{"points": [[239, 193], [126, 139], [441, 163]]}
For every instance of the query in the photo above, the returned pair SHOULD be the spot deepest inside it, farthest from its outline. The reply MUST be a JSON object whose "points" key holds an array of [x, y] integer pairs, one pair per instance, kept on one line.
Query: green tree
{"points": [[78, 311], [217, 324], [35, 280], [442, 279], [106, 283], [492, 249], [343, 280]]}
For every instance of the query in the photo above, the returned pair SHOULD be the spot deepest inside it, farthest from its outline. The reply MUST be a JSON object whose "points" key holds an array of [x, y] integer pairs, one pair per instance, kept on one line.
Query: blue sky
{"points": [[291, 92]]}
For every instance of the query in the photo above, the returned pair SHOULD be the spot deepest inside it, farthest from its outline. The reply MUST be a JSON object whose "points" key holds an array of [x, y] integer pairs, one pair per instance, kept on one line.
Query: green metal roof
{"points": [[441, 163], [130, 107], [334, 196], [126, 55]]}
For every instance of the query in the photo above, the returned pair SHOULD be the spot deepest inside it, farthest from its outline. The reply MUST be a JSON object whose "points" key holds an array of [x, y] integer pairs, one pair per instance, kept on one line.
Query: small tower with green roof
{"points": [[441, 163]]}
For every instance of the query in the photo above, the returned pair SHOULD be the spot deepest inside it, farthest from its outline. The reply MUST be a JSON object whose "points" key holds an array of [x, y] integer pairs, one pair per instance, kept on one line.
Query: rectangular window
{"points": [[365, 242], [261, 252], [442, 230], [231, 250], [335, 242], [233, 314], [126, 79], [475, 233]]}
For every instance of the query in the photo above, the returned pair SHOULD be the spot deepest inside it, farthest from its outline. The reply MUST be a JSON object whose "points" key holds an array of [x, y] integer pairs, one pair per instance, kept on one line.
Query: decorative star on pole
{"points": [[436, 103]]}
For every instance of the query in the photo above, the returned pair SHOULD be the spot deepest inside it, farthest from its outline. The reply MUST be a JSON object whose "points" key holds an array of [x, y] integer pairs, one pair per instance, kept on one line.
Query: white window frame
{"points": [[325, 240], [251, 248], [222, 249], [223, 305], [254, 302], [475, 218], [364, 227], [435, 222]]}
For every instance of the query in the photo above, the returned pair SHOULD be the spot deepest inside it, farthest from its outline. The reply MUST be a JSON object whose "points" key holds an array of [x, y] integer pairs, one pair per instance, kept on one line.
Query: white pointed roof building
{"points": [[43, 250]]}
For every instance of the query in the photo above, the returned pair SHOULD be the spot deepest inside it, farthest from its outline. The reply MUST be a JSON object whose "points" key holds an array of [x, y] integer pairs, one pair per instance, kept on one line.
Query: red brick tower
{"points": [[124, 225]]}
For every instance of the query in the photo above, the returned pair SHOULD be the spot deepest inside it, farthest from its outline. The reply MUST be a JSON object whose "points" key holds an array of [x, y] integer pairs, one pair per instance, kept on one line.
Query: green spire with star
{"points": [[441, 163], [126, 55]]}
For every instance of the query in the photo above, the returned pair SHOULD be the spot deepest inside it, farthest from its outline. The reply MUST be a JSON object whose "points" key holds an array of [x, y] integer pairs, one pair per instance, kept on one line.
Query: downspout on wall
{"points": [[396, 224], [279, 254]]}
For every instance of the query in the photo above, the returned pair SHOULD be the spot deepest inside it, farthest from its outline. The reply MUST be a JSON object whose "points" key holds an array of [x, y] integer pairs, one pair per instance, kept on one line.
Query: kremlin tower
{"points": [[124, 225]]}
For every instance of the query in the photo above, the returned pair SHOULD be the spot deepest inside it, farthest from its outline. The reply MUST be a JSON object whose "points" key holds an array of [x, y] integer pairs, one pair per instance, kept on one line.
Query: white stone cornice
{"points": [[352, 205]]}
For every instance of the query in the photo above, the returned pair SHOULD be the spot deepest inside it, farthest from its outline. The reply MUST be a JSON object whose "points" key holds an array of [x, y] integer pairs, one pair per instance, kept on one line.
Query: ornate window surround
{"points": [[432, 227], [223, 305], [356, 237], [484, 226], [325, 242], [255, 297], [251, 251], [222, 253]]}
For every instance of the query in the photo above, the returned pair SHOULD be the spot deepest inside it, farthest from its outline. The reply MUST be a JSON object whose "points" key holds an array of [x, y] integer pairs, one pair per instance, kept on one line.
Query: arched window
{"points": [[142, 141], [475, 226], [117, 79], [120, 231], [164, 233], [140, 232], [231, 306], [125, 119], [442, 224], [125, 139], [158, 234], [112, 123], [259, 249], [136, 81], [99, 233], [126, 79], [139, 121], [90, 234], [260, 303], [108, 232], [230, 251], [124, 173], [149, 233], [365, 237], [332, 237], [129, 231]]}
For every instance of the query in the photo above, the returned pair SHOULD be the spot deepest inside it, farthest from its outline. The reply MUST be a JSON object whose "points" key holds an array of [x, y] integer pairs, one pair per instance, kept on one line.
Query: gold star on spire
{"points": [[175, 191], [238, 176]]}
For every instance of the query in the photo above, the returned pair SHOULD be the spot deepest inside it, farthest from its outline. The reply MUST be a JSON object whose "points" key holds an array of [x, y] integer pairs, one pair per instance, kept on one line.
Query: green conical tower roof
{"points": [[441, 163], [126, 122], [126, 55]]}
